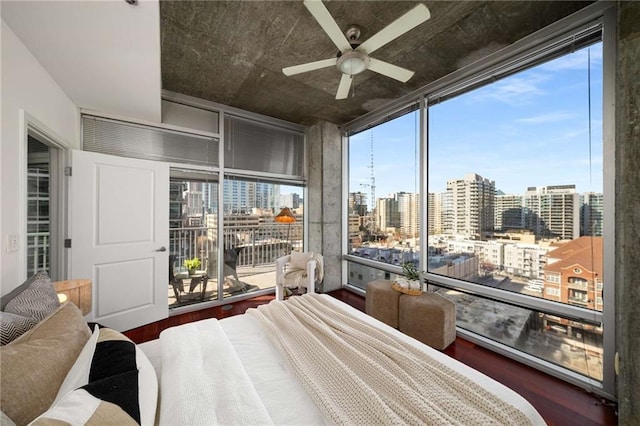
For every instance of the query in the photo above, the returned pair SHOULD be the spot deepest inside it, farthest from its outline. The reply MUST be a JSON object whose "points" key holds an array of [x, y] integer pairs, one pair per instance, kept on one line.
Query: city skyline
{"points": [[495, 131], [392, 194]]}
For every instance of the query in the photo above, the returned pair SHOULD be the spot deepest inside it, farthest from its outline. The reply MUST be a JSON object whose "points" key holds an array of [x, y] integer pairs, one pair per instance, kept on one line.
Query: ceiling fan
{"points": [[353, 55]]}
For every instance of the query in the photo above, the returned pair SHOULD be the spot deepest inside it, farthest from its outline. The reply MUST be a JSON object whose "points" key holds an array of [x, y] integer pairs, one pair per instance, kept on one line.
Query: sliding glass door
{"points": [[253, 240], [193, 232]]}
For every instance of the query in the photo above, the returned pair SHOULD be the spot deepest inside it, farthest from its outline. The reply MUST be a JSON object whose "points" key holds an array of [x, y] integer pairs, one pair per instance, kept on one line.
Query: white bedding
{"points": [[285, 401]]}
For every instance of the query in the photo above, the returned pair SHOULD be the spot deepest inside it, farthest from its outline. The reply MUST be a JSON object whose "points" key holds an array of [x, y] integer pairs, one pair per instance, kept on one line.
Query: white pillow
{"points": [[299, 260], [78, 375], [84, 400]]}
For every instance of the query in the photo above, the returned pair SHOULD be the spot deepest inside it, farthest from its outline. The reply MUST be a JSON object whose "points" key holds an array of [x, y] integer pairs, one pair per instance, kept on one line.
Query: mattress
{"points": [[284, 398]]}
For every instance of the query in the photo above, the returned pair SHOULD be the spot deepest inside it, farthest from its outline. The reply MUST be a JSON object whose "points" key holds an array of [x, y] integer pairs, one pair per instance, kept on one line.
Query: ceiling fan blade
{"points": [[344, 86], [328, 24], [390, 70], [310, 66], [406, 22]]}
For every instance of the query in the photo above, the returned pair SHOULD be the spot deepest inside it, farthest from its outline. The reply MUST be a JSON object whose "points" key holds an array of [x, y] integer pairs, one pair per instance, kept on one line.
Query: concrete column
{"points": [[324, 206], [627, 211]]}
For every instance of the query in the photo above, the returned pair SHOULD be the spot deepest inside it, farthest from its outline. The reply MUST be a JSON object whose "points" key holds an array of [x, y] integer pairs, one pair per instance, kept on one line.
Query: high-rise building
{"points": [[266, 196], [354, 228], [446, 202], [358, 203], [242, 197], [553, 211], [399, 212], [386, 208], [236, 196], [194, 199], [291, 200], [435, 213], [509, 213], [176, 203], [210, 196], [591, 214], [408, 208], [472, 205]]}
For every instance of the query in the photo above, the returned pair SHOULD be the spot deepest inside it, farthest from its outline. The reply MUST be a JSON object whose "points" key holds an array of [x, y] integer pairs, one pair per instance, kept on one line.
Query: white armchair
{"points": [[298, 270]]}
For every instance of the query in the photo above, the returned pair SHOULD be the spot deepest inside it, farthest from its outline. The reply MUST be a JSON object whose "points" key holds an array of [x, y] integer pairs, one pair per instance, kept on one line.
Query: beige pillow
{"points": [[35, 364], [299, 260]]}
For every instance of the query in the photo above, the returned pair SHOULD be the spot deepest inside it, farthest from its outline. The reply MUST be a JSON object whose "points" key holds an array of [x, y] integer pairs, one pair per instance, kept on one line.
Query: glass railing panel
{"points": [[359, 275], [564, 342], [249, 257], [250, 253], [574, 345], [193, 266]]}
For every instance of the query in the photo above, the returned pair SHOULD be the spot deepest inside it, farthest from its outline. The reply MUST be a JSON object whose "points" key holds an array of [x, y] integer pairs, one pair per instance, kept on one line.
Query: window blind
{"points": [[250, 145], [145, 142]]}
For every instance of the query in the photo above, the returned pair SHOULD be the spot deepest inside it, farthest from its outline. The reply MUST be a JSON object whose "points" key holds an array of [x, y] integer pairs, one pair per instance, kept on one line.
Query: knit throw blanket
{"points": [[297, 278], [357, 374]]}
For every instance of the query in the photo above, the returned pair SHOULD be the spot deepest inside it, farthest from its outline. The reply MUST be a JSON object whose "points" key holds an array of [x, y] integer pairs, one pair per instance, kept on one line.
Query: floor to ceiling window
{"points": [[516, 196], [384, 199], [515, 220]]}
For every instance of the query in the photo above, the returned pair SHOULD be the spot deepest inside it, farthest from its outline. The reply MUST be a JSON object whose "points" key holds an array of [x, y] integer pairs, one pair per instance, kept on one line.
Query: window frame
{"points": [[547, 43]]}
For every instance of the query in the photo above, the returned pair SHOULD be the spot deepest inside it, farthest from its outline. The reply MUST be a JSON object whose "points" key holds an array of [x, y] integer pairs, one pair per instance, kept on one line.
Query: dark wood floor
{"points": [[560, 403]]}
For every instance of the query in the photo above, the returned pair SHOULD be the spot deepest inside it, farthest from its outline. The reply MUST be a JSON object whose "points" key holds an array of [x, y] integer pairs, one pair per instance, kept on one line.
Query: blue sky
{"points": [[529, 129]]}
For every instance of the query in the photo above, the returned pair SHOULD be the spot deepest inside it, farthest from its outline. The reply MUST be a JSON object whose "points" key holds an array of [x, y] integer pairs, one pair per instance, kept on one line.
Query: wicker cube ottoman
{"points": [[429, 318], [381, 302]]}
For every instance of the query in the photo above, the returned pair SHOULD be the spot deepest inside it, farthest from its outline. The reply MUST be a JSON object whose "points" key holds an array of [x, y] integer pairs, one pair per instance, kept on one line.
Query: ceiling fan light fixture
{"points": [[353, 62]]}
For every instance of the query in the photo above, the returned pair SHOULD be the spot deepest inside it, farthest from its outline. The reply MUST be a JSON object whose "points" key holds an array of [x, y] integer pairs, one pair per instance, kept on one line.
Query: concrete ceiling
{"points": [[233, 52], [114, 57]]}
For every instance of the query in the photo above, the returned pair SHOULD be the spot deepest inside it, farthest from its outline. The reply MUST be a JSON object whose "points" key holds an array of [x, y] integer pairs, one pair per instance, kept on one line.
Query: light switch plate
{"points": [[12, 243]]}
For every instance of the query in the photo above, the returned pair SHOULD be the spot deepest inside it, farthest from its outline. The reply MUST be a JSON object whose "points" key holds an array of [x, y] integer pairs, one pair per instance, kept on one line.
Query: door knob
{"points": [[163, 248]]}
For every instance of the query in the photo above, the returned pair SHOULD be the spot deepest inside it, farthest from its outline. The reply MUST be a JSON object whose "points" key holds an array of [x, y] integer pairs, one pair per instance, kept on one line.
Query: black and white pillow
{"points": [[26, 305], [37, 300], [13, 326], [112, 380]]}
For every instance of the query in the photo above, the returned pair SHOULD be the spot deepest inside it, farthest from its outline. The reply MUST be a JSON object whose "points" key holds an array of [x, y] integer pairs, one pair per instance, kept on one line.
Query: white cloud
{"points": [[553, 117], [515, 90]]}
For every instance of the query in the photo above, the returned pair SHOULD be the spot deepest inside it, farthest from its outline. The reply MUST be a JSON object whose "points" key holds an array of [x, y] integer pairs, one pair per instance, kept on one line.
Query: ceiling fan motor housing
{"points": [[353, 34]]}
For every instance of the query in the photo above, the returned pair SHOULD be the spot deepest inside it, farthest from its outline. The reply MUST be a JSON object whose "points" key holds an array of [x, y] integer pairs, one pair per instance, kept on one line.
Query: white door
{"points": [[119, 227]]}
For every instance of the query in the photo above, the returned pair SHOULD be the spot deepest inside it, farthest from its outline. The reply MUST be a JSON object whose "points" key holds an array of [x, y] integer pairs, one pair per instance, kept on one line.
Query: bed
{"points": [[237, 370], [308, 360]]}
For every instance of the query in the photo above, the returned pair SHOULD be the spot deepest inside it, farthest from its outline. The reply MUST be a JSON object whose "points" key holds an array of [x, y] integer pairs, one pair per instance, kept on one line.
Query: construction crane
{"points": [[373, 178], [372, 185], [370, 222]]}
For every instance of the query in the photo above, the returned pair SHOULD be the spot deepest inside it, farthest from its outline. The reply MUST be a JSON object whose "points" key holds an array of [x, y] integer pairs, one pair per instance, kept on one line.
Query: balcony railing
{"points": [[255, 245], [37, 252]]}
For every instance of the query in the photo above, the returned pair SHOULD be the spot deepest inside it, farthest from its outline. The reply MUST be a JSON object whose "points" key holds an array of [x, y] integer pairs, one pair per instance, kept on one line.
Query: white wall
{"points": [[105, 55], [26, 88]]}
